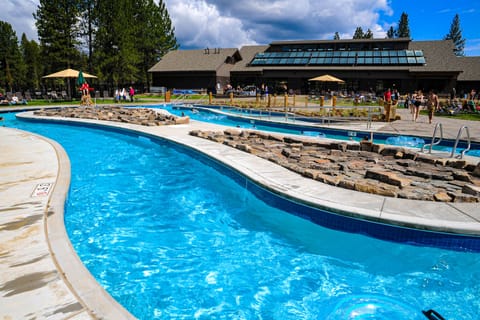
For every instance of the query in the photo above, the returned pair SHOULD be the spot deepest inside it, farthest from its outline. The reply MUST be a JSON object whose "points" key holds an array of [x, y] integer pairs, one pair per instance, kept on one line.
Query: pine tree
{"points": [[455, 35], [87, 28], [11, 63], [368, 34], [31, 56], [156, 36], [336, 36], [391, 33], [403, 27], [358, 33], [115, 56], [57, 25]]}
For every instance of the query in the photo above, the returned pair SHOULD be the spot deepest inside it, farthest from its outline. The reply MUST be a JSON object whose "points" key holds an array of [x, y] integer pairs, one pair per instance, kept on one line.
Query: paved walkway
{"points": [[41, 277]]}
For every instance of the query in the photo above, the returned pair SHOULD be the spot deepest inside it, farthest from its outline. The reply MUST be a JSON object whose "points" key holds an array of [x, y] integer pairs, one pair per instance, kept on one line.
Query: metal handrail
{"points": [[430, 145], [456, 143]]}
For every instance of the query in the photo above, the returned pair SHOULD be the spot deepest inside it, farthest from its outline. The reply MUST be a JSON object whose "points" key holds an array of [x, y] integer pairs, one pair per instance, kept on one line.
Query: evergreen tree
{"points": [[336, 36], [115, 58], [358, 33], [87, 28], [31, 56], [11, 63], [57, 25], [368, 34], [403, 27], [155, 36], [455, 35], [391, 33]]}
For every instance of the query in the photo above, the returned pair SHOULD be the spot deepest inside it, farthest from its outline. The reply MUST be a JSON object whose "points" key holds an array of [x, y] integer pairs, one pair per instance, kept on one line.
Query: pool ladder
{"points": [[438, 126]]}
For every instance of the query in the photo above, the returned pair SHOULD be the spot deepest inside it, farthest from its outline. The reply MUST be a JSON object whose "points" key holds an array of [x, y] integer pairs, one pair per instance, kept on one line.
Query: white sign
{"points": [[42, 189]]}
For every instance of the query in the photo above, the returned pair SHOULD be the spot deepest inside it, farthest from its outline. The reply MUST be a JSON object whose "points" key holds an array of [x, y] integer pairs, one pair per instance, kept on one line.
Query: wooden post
{"points": [[387, 106], [231, 98], [167, 96], [210, 98]]}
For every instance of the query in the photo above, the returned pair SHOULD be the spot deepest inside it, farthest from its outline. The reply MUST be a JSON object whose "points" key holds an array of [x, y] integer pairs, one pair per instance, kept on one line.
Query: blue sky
{"points": [[232, 24]]}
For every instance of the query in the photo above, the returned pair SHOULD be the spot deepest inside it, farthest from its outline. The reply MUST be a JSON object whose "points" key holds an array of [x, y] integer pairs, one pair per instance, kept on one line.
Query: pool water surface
{"points": [[169, 236]]}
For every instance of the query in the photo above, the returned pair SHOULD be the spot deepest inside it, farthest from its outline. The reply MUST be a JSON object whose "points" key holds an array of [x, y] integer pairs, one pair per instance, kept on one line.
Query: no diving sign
{"points": [[42, 190]]}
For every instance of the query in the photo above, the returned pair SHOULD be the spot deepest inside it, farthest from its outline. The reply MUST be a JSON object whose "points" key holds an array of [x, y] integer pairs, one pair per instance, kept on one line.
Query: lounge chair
{"points": [[28, 96]]}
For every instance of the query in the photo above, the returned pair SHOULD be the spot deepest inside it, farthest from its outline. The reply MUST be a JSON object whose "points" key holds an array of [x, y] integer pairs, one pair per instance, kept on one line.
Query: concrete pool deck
{"points": [[41, 276]]}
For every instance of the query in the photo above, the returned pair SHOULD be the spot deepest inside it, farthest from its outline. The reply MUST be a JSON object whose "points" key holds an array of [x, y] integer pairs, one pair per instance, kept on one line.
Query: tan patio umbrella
{"points": [[68, 73], [327, 78]]}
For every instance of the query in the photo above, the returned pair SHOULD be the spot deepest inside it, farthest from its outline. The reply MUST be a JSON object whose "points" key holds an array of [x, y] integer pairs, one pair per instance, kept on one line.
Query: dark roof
{"points": [[470, 67], [247, 53], [438, 54], [306, 42], [194, 60], [439, 57]]}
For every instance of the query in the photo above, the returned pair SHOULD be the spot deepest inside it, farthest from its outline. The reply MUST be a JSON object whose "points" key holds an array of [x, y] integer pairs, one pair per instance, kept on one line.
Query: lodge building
{"points": [[364, 65]]}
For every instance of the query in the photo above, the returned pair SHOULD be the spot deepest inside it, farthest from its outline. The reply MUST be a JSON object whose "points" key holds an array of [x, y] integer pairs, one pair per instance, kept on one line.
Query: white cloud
{"points": [[19, 14], [226, 23], [198, 24]]}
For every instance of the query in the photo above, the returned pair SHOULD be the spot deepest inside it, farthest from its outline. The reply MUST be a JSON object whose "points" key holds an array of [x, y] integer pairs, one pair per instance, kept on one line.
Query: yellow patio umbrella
{"points": [[326, 78], [68, 73]]}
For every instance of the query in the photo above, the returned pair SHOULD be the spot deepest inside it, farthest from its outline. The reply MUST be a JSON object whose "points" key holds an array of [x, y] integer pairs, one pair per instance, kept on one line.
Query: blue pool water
{"points": [[170, 237], [233, 118]]}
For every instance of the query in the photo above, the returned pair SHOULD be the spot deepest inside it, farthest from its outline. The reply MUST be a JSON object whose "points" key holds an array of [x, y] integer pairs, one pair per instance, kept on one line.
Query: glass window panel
{"points": [[352, 53], [393, 53], [368, 60], [377, 60], [377, 53], [385, 60], [385, 53], [412, 60], [350, 61], [421, 60], [361, 53], [394, 60], [329, 54], [360, 60], [402, 53], [402, 60], [344, 53], [410, 53], [322, 54], [283, 61], [419, 53], [315, 54], [335, 60], [328, 61]]}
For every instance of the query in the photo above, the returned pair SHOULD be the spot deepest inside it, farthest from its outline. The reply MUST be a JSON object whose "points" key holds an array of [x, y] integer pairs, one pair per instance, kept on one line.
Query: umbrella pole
{"points": [[69, 87]]}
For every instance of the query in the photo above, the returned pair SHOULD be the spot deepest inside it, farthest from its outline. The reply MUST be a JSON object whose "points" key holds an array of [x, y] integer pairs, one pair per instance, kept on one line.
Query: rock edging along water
{"points": [[367, 167], [140, 116]]}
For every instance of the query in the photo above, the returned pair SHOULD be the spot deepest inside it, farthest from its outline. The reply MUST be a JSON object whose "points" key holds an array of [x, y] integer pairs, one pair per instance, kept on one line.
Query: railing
{"points": [[430, 145], [456, 143]]}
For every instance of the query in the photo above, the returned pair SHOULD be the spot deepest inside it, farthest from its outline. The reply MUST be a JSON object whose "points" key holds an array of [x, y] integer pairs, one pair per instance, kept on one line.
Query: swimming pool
{"points": [[228, 116], [171, 237]]}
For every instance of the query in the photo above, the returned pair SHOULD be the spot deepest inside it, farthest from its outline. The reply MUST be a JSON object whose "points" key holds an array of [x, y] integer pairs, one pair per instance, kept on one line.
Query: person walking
{"points": [[131, 93], [417, 100], [432, 105]]}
